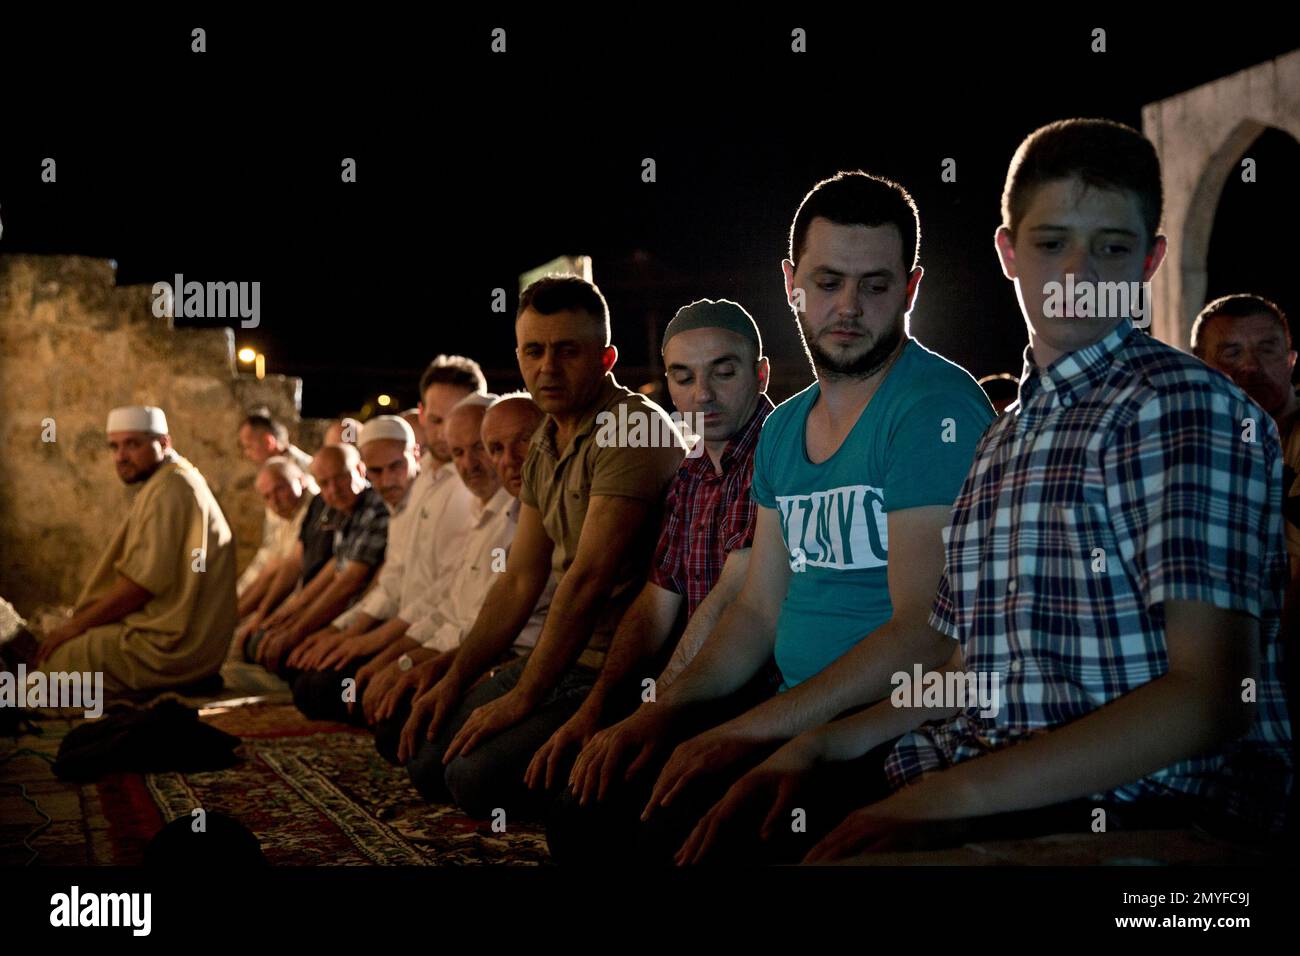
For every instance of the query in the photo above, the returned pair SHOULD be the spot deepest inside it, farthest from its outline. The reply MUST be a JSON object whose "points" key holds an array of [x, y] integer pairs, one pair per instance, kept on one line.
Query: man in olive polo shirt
{"points": [[591, 502]]}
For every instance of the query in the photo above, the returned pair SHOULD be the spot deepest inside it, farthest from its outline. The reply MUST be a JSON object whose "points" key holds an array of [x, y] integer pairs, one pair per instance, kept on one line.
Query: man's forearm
{"points": [[739, 645], [861, 676], [702, 623], [1170, 719], [251, 598], [113, 606], [506, 609], [636, 642], [569, 623], [330, 604], [280, 590]]}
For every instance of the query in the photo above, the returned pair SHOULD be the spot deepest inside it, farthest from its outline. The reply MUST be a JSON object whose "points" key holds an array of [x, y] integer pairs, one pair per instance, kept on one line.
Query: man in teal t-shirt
{"points": [[910, 448], [855, 479]]}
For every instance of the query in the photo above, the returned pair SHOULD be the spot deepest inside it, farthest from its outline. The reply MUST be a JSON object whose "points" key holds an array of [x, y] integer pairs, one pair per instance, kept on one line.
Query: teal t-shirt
{"points": [[911, 446]]}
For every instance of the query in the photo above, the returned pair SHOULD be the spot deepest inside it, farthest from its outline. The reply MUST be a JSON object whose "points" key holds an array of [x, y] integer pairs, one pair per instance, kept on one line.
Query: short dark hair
{"points": [[1237, 306], [261, 422], [855, 198], [453, 370], [1099, 152], [564, 293]]}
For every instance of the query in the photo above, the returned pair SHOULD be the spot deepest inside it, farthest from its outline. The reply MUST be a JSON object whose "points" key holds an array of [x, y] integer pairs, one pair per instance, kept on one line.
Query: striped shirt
{"points": [[708, 515], [1126, 475]]}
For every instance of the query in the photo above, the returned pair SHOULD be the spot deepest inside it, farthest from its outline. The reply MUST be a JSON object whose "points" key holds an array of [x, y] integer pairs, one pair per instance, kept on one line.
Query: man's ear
{"points": [[1006, 251], [787, 270], [913, 284], [1155, 257], [763, 369], [608, 357]]}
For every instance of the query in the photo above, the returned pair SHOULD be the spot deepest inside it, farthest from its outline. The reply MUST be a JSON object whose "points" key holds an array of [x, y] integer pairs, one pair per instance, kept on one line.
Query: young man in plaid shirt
{"points": [[1115, 557]]}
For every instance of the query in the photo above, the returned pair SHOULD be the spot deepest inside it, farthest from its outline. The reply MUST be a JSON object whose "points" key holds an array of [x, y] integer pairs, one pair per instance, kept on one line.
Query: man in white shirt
{"points": [[288, 492], [427, 533], [506, 430]]}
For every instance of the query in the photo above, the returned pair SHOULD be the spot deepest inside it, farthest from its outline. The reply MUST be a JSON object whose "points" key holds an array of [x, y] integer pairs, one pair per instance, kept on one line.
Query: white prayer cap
{"points": [[137, 418], [387, 426]]}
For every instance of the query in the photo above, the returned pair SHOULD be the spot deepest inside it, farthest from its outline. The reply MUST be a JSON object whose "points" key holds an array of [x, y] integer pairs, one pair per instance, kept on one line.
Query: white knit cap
{"points": [[137, 418], [387, 426]]}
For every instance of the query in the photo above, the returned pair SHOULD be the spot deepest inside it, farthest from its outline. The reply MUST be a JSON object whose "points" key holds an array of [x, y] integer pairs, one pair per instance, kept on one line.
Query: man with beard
{"points": [[159, 607], [854, 478]]}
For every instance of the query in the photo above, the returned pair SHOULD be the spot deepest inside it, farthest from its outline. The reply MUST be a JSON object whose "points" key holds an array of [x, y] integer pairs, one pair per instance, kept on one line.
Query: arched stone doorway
{"points": [[1201, 136]]}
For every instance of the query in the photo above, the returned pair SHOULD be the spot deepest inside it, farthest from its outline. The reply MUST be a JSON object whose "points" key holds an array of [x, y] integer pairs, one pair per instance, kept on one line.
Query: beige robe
{"points": [[174, 528]]}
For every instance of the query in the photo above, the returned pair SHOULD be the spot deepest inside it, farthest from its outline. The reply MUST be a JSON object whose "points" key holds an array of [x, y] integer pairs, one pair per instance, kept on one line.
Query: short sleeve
{"points": [[760, 489], [1190, 491], [153, 553], [642, 473], [371, 539], [528, 491], [931, 448]]}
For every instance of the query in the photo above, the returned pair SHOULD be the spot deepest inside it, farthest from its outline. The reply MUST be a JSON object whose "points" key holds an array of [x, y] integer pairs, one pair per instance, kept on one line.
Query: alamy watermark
{"points": [[75, 689], [643, 429], [209, 300], [1099, 300], [948, 690]]}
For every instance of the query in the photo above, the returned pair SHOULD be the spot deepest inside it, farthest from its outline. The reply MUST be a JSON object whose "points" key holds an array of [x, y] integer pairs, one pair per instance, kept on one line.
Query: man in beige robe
{"points": [[159, 608]]}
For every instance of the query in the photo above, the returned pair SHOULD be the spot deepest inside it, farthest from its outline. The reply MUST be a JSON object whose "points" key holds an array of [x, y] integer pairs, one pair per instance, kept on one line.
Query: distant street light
{"points": [[385, 400], [247, 355]]}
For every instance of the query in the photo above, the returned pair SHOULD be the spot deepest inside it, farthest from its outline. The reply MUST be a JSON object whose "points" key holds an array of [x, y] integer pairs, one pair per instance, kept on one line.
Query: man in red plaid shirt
{"points": [[717, 376]]}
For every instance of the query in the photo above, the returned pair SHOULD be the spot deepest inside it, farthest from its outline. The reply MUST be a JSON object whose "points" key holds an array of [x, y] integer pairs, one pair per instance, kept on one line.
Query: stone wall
{"points": [[1200, 136], [73, 344]]}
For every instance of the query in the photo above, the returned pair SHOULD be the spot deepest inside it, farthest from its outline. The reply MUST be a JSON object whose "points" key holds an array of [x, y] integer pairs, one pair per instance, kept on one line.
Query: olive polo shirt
{"points": [[632, 452]]}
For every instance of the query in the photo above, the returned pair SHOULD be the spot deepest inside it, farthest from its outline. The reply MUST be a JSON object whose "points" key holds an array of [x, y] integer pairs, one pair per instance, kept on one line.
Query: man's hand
{"points": [[874, 829], [775, 784], [308, 654], [348, 650], [435, 705], [640, 736], [573, 734], [488, 721], [709, 752], [277, 645], [53, 638], [368, 672]]}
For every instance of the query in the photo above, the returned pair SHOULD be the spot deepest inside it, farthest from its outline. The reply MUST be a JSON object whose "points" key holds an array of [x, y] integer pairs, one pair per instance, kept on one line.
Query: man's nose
{"points": [[849, 300], [1078, 262]]}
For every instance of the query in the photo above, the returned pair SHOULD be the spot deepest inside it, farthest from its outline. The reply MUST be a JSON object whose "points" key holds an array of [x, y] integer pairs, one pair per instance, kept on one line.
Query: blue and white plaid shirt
{"points": [[1125, 476]]}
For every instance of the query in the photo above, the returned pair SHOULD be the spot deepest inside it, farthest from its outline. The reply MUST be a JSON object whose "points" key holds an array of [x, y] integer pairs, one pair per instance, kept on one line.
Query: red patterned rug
{"points": [[313, 793]]}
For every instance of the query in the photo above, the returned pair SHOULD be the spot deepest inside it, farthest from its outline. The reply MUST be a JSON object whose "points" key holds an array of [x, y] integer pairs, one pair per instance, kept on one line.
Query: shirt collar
{"points": [[740, 445], [1075, 373], [610, 392]]}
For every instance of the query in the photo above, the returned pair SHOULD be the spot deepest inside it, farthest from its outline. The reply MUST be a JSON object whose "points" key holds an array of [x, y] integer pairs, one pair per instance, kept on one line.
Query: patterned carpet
{"points": [[313, 793]]}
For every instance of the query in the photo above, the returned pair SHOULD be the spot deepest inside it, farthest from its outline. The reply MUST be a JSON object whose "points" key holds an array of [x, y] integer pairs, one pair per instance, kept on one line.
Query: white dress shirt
{"points": [[483, 557]]}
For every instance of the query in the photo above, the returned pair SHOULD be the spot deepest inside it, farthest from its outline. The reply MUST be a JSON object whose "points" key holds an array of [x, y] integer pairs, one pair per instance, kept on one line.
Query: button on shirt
{"points": [[708, 515], [1125, 476], [437, 540], [483, 553]]}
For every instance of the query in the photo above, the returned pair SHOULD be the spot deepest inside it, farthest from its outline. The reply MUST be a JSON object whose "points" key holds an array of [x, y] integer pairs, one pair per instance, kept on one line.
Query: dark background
{"points": [[474, 167]]}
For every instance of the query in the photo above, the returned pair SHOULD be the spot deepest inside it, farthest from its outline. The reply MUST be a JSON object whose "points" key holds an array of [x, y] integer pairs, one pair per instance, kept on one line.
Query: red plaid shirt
{"points": [[707, 515]]}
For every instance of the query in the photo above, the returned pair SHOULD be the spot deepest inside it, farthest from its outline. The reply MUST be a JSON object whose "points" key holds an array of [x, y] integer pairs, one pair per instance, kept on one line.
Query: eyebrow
{"points": [[535, 342], [1049, 227], [679, 367], [874, 273]]}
